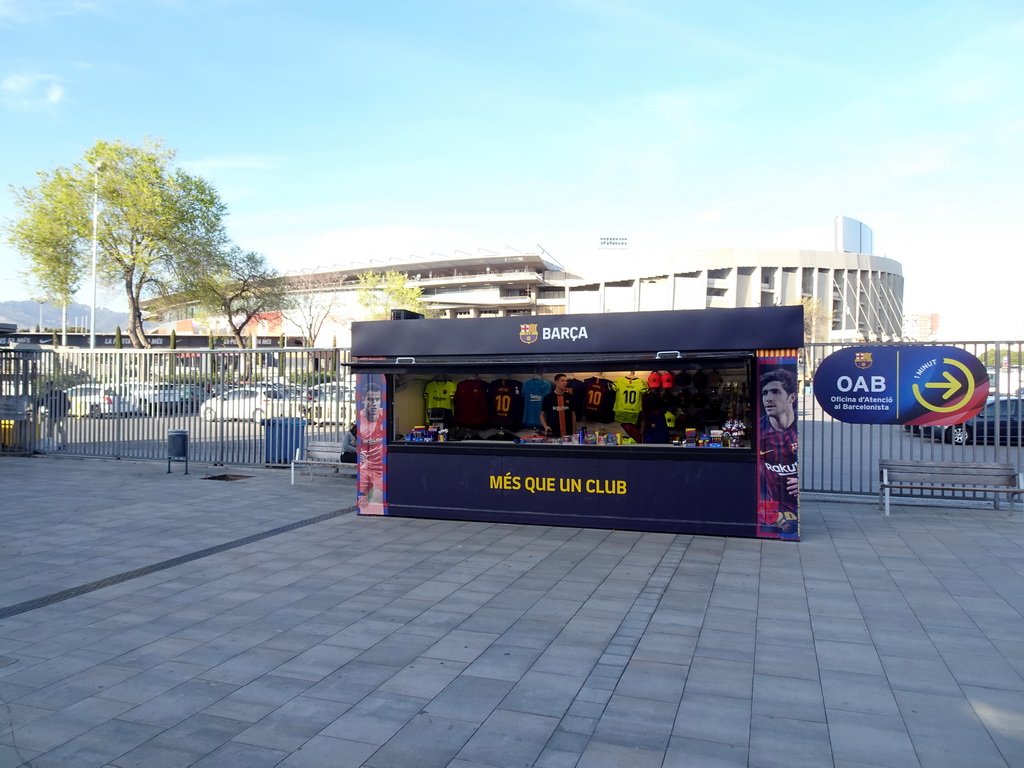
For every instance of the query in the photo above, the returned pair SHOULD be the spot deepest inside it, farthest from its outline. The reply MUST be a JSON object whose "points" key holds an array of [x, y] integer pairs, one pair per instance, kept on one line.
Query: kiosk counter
{"points": [[679, 421]]}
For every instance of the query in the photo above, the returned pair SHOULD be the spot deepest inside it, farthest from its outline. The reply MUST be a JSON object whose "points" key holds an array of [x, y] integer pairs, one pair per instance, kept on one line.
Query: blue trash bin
{"points": [[282, 438]]}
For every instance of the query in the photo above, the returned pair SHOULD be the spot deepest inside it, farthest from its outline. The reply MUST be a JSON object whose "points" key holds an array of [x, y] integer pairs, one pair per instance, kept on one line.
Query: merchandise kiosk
{"points": [[678, 421]]}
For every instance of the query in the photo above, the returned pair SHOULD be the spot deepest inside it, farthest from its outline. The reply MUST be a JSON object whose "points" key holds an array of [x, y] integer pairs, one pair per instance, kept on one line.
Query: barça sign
{"points": [[901, 385]]}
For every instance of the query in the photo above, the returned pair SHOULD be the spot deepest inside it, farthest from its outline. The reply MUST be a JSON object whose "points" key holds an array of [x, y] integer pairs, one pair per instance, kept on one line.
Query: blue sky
{"points": [[339, 131]]}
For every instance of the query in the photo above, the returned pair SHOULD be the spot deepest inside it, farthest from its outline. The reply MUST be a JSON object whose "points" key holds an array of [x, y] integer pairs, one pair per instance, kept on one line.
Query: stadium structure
{"points": [[856, 296]]}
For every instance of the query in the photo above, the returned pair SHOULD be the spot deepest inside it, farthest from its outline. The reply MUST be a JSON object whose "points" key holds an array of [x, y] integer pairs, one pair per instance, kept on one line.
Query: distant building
{"points": [[854, 296], [921, 327], [859, 296]]}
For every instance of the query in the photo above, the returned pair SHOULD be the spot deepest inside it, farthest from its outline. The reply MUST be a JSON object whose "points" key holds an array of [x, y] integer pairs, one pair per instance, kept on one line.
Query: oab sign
{"points": [[901, 385]]}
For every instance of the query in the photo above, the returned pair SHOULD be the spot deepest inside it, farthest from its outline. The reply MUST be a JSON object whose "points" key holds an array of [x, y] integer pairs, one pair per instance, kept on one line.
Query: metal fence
{"points": [[239, 407], [840, 458], [123, 403]]}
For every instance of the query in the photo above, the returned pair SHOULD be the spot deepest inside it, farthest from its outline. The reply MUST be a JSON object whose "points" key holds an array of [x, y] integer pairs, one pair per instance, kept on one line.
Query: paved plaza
{"points": [[155, 620]]}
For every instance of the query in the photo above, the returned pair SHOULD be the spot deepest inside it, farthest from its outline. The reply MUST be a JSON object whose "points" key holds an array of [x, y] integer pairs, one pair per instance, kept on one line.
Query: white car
{"points": [[250, 403], [331, 403], [157, 398], [97, 400]]}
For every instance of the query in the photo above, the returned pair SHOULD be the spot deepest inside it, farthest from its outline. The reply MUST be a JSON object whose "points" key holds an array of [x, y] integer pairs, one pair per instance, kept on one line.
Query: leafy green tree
{"points": [[380, 292], [150, 217], [232, 284]]}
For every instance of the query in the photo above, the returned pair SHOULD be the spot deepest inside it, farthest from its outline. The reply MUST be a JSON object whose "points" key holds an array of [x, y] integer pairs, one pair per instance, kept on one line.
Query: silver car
{"points": [[96, 400], [252, 403]]}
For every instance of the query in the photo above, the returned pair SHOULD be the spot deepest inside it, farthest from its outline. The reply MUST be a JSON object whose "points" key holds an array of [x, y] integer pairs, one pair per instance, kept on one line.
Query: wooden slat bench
{"points": [[984, 477], [322, 453]]}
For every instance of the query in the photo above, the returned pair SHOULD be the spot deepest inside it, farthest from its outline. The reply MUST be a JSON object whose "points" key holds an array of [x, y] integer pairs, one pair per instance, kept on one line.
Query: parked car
{"points": [[333, 403], [158, 398], [985, 427], [252, 403], [96, 400]]}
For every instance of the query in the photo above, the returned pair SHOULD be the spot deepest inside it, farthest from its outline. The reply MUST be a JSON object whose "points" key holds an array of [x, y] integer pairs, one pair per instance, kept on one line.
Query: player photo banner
{"points": [[371, 444], [778, 476]]}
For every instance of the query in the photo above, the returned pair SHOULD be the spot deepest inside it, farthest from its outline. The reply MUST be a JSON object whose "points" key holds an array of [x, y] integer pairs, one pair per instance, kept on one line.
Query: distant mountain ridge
{"points": [[25, 314]]}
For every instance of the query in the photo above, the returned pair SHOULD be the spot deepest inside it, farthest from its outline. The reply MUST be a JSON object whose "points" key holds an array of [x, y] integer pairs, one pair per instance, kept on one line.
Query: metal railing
{"points": [[317, 386], [122, 403], [841, 458]]}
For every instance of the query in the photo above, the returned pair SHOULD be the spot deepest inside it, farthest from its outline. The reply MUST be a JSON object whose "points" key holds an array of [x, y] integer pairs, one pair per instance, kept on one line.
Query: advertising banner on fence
{"points": [[901, 385]]}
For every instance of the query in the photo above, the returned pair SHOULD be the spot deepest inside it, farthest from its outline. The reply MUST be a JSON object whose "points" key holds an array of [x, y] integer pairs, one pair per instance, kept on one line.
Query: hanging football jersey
{"points": [[576, 388], [505, 402], [438, 394], [533, 396], [629, 398], [598, 400], [471, 403]]}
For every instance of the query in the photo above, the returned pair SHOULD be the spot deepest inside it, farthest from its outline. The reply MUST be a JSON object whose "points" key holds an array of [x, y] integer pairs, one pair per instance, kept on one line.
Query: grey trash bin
{"points": [[177, 447], [283, 438]]}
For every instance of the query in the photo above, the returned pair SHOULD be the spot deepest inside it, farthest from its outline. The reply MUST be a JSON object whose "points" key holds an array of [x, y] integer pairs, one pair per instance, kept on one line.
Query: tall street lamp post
{"points": [[95, 221]]}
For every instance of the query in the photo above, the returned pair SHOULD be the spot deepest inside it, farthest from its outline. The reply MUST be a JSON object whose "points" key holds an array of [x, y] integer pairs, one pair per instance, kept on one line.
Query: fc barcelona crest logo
{"points": [[528, 333], [862, 359]]}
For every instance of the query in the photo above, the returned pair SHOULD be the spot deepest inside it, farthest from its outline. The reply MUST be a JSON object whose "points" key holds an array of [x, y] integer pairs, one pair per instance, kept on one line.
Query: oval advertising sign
{"points": [[901, 385]]}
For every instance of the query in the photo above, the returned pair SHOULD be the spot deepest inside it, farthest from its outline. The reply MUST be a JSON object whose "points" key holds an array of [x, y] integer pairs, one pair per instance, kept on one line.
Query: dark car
{"points": [[999, 421]]}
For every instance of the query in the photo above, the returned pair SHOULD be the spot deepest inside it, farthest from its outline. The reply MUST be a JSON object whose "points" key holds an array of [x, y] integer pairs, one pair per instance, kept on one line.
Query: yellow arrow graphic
{"points": [[952, 386]]}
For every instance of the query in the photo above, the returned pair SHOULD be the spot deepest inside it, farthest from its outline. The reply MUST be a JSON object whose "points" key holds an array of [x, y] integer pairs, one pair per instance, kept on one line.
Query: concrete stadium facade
{"points": [[860, 296]]}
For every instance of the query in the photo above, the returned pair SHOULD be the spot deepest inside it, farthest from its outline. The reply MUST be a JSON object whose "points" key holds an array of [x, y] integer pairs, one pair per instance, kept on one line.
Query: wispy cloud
{"points": [[31, 91]]}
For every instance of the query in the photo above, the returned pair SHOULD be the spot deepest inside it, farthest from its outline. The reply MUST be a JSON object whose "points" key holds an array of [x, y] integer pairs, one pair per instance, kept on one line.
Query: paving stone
{"points": [[46, 733], [503, 662], [543, 693], [376, 718], [946, 730], [179, 703], [98, 746], [509, 739], [788, 698], [868, 739], [653, 680], [777, 742], [636, 723], [469, 698], [725, 677], [708, 717], [427, 741], [424, 678], [858, 693], [321, 751]]}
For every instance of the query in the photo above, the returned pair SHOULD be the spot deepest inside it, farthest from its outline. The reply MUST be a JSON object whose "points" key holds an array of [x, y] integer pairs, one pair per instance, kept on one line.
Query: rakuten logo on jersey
{"points": [[569, 332], [781, 469]]}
